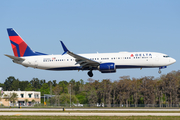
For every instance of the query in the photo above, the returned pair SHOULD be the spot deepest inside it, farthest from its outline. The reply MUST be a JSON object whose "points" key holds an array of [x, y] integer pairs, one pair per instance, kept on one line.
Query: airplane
{"points": [[104, 62]]}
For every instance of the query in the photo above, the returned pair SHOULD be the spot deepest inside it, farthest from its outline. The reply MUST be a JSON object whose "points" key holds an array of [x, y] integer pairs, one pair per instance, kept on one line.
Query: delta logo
{"points": [[54, 58]]}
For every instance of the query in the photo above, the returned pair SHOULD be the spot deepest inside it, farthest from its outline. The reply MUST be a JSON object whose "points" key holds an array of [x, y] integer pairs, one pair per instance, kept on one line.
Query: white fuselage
{"points": [[121, 60]]}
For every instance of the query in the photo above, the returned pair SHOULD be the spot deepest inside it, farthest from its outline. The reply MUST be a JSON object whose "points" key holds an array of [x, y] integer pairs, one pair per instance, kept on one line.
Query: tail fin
{"points": [[20, 48]]}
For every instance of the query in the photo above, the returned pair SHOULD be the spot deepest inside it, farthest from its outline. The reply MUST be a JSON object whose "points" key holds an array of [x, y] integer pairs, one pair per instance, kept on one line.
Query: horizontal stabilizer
{"points": [[14, 58]]}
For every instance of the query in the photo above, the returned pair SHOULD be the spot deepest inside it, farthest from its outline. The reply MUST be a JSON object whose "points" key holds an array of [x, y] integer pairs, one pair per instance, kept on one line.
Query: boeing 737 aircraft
{"points": [[104, 62]]}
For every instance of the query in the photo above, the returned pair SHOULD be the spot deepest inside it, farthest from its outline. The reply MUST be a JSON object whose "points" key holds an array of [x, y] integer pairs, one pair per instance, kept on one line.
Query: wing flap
{"points": [[82, 60]]}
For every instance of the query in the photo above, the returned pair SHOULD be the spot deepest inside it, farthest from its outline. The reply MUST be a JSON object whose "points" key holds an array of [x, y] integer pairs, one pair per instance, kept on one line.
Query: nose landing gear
{"points": [[162, 67], [90, 73], [159, 71]]}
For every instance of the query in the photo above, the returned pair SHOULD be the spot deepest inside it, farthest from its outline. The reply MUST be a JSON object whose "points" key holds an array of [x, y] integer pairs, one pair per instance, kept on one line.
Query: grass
{"points": [[89, 118]]}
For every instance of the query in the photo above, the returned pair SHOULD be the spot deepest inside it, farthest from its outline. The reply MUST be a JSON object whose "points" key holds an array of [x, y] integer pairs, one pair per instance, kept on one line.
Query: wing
{"points": [[84, 62]]}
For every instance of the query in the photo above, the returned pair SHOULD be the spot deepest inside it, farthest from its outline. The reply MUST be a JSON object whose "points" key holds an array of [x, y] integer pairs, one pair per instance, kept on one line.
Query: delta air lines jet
{"points": [[104, 62]]}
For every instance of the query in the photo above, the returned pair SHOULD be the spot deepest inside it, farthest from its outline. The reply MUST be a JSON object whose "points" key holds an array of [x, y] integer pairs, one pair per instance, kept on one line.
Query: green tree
{"points": [[57, 90], [81, 88], [45, 89], [64, 86], [82, 98], [23, 85], [8, 83], [1, 93], [92, 96], [65, 99], [15, 84], [54, 83], [76, 87], [35, 82], [29, 87], [1, 85]]}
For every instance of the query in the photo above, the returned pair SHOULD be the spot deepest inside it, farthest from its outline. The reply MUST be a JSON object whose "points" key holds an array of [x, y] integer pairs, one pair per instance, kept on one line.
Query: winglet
{"points": [[64, 48]]}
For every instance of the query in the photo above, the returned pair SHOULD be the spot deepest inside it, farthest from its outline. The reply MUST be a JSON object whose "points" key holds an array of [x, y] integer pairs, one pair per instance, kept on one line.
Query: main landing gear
{"points": [[90, 73]]}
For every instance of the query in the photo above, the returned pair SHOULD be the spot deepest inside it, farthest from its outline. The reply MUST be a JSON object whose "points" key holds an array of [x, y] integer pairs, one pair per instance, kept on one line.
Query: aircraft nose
{"points": [[173, 60]]}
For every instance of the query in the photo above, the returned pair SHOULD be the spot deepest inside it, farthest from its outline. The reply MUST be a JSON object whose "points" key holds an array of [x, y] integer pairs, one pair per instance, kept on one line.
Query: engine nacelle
{"points": [[107, 67]]}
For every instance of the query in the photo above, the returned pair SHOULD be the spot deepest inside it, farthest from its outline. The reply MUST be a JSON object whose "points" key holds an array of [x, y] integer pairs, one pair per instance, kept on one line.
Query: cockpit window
{"points": [[165, 56]]}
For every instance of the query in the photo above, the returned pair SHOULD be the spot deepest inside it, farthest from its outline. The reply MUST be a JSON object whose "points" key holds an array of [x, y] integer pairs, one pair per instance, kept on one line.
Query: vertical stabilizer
{"points": [[20, 48]]}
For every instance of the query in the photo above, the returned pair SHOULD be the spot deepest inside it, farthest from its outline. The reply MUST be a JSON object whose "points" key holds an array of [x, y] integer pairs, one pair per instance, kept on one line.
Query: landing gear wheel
{"points": [[90, 73], [159, 71]]}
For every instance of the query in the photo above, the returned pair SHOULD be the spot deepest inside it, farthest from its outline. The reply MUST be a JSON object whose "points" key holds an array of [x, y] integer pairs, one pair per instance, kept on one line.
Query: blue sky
{"points": [[89, 27]]}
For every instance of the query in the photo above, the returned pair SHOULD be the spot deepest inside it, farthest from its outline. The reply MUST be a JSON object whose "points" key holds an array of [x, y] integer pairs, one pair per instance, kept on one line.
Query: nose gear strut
{"points": [[159, 71]]}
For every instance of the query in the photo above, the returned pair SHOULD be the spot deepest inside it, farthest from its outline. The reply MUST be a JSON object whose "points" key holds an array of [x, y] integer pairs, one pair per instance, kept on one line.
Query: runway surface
{"points": [[82, 109], [71, 112], [85, 114]]}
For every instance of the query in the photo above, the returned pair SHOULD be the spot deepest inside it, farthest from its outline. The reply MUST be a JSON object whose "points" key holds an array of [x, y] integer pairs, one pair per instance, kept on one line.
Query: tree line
{"points": [[145, 90]]}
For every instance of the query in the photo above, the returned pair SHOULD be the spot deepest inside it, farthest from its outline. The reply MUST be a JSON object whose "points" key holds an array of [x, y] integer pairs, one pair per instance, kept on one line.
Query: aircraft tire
{"points": [[90, 73]]}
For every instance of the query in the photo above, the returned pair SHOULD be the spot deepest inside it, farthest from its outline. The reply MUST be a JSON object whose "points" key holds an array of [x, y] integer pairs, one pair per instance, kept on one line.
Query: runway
{"points": [[84, 114], [82, 109]]}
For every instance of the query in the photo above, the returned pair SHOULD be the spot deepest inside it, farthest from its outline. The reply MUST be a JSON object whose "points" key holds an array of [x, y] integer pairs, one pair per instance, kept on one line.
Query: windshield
{"points": [[165, 56]]}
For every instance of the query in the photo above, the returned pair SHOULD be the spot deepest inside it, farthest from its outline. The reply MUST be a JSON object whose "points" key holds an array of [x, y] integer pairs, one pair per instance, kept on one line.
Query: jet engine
{"points": [[107, 67]]}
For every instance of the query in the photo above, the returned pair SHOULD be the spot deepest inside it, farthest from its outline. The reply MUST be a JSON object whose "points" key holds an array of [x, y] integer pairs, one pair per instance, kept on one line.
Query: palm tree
{"points": [[33, 101], [7, 98], [26, 100], [12, 97], [1, 93]]}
